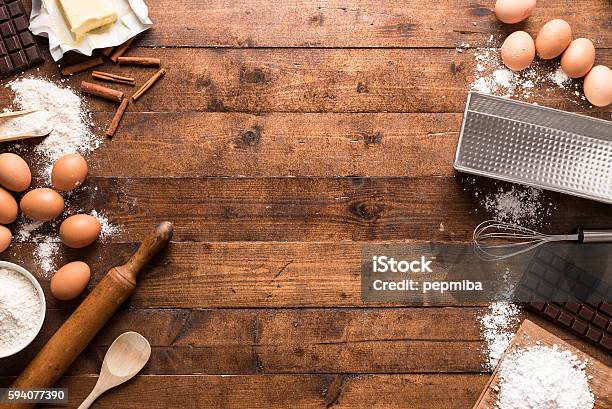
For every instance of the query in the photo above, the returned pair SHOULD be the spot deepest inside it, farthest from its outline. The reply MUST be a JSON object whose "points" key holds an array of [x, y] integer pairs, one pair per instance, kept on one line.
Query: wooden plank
{"points": [[530, 335], [284, 391], [310, 80], [226, 275], [192, 144], [364, 357], [293, 327], [310, 209], [353, 340], [354, 23], [285, 341]]}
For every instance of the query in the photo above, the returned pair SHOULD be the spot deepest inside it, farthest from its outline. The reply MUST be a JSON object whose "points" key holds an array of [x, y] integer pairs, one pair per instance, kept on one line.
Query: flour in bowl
{"points": [[20, 310]]}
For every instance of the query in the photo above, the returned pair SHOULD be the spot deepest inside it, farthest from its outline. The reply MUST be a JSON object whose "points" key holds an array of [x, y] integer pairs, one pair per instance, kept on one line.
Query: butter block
{"points": [[86, 15]]}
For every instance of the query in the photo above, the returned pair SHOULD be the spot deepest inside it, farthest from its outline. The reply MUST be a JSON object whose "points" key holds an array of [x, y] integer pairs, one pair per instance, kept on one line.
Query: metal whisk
{"points": [[488, 234]]}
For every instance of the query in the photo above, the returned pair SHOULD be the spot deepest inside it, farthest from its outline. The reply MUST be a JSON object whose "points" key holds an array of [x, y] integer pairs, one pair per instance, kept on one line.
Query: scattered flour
{"points": [[492, 77], [20, 310], [523, 206], [463, 46], [45, 254], [506, 291], [498, 326], [27, 230], [560, 78], [48, 245], [542, 377], [107, 230]]}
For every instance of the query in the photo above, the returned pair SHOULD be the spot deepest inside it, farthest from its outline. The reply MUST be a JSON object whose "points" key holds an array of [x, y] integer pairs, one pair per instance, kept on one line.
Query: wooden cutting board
{"points": [[527, 335]]}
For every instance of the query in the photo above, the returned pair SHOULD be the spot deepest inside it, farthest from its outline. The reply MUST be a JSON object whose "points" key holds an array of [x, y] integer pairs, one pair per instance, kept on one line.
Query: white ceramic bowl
{"points": [[43, 305]]}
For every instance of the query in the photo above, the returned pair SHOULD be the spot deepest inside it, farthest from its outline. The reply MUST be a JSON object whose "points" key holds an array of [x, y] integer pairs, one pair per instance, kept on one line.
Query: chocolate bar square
{"points": [[18, 48], [587, 312]]}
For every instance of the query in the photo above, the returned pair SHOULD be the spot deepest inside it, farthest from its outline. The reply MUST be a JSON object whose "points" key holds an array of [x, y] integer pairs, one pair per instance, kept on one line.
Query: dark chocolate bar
{"points": [[564, 293], [18, 48]]}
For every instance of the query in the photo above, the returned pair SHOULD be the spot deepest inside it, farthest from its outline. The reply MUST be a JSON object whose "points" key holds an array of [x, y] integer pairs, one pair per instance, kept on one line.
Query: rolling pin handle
{"points": [[150, 247]]}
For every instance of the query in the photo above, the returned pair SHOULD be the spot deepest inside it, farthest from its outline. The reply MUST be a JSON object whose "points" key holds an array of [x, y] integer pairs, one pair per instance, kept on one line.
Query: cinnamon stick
{"points": [[107, 76], [150, 82], [142, 61], [101, 91], [120, 50], [107, 51], [82, 66], [112, 128]]}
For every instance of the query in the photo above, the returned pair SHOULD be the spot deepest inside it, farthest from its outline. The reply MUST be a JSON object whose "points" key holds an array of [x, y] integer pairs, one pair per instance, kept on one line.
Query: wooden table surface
{"points": [[285, 135]]}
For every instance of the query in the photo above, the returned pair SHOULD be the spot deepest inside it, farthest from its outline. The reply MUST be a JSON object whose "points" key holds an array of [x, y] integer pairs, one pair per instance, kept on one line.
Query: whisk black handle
{"points": [[594, 236]]}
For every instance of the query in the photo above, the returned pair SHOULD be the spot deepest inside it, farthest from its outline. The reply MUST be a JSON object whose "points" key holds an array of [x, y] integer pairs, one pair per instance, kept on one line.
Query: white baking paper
{"points": [[47, 20]]}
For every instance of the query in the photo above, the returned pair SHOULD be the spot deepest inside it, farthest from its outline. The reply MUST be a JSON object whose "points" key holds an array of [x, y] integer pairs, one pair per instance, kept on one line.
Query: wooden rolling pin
{"points": [[87, 320]]}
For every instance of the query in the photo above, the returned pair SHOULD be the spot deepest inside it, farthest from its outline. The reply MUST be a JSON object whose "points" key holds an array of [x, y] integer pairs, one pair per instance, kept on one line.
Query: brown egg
{"points": [[554, 37], [513, 11], [579, 58], [8, 207], [15, 173], [69, 172], [518, 51], [5, 238], [42, 204], [70, 281], [79, 231], [598, 86]]}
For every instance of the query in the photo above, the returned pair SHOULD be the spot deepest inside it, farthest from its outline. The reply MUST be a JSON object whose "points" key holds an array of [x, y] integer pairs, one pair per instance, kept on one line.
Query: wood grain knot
{"points": [[362, 88], [202, 82], [455, 68], [367, 211], [374, 138], [253, 76], [317, 20], [250, 138], [404, 30], [215, 105]]}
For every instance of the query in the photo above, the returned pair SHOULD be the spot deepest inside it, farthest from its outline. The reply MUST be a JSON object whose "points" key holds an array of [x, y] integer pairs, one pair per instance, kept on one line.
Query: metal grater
{"points": [[536, 146]]}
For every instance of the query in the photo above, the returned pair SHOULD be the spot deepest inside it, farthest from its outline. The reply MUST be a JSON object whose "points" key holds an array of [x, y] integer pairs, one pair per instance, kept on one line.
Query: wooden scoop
{"points": [[30, 135], [18, 137], [16, 113], [124, 359]]}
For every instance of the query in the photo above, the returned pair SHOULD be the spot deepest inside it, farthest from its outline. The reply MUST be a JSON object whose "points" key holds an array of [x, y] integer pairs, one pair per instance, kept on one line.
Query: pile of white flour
{"points": [[20, 310], [63, 110], [542, 377]]}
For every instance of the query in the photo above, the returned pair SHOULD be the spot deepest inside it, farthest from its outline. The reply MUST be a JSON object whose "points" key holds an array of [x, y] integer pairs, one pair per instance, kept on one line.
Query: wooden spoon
{"points": [[34, 134], [30, 135], [16, 113], [127, 355]]}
